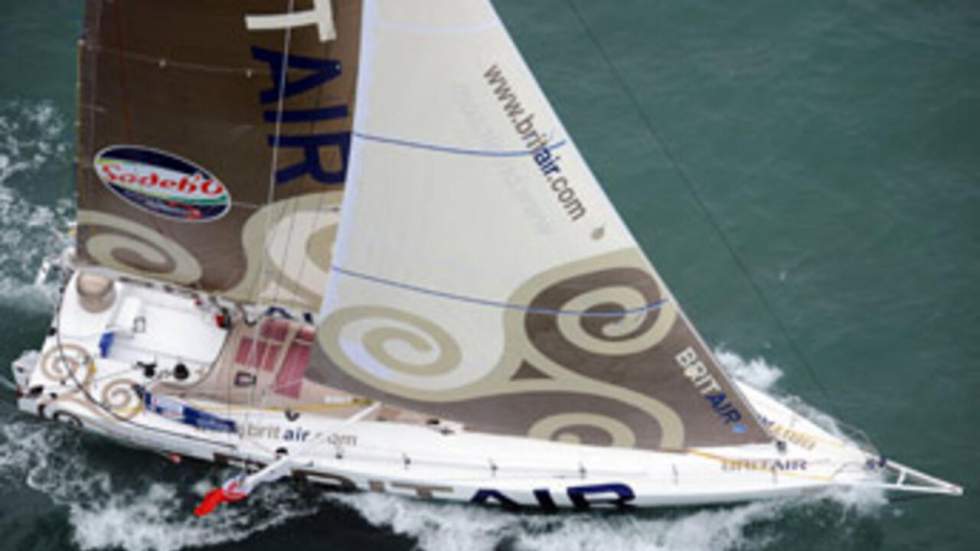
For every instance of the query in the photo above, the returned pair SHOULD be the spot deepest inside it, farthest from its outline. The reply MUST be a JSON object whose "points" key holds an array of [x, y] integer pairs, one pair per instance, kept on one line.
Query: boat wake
{"points": [[114, 506], [445, 527], [34, 153], [755, 371], [110, 506]]}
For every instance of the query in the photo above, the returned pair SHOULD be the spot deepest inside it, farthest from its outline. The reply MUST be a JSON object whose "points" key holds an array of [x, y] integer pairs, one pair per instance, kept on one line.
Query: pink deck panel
{"points": [[255, 354], [289, 380]]}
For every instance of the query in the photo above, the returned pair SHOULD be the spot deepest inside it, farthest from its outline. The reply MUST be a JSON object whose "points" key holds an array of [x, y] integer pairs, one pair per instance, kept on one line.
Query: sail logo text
{"points": [[316, 145], [707, 385], [540, 150], [162, 183]]}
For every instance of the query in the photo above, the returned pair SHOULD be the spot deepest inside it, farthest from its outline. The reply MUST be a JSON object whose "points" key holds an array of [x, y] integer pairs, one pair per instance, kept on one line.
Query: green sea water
{"points": [[806, 177]]}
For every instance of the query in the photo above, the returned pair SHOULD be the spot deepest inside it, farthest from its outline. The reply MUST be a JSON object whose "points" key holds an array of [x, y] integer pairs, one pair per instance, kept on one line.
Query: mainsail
{"points": [[214, 140], [481, 273]]}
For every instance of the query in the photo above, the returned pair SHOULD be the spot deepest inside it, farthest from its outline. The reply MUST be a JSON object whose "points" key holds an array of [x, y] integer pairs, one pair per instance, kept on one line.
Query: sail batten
{"points": [[451, 149], [597, 313]]}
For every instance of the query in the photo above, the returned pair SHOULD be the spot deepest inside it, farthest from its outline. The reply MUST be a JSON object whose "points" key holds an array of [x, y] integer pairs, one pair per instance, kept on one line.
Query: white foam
{"points": [[448, 527], [158, 519], [139, 513], [32, 138], [760, 374], [754, 371]]}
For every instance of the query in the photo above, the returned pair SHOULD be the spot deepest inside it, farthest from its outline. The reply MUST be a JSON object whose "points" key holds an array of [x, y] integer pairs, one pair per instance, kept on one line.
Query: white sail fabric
{"points": [[480, 272]]}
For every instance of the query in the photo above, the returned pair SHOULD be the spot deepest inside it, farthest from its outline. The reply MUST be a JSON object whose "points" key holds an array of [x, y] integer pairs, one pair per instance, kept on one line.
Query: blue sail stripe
{"points": [[448, 149], [504, 305]]}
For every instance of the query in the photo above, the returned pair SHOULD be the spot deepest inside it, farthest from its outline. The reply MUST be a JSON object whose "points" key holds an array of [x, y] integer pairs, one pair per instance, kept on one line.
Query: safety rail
{"points": [[897, 477]]}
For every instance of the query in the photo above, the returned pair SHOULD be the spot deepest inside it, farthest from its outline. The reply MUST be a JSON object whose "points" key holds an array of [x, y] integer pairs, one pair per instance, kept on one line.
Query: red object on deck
{"points": [[228, 493], [255, 354], [210, 503], [289, 380]]}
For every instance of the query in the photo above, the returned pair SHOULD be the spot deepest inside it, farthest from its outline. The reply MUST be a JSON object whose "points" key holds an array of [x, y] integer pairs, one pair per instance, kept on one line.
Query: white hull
{"points": [[413, 457]]}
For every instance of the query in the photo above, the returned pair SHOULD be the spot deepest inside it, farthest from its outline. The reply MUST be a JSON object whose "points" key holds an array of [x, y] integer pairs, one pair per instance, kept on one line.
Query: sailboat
{"points": [[350, 241]]}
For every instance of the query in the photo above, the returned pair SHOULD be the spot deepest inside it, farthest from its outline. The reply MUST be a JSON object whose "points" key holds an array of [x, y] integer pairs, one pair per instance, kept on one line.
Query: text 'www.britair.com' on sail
{"points": [[537, 143]]}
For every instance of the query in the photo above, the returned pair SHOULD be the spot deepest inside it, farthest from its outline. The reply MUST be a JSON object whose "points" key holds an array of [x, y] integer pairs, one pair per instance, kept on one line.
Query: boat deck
{"points": [[177, 344]]}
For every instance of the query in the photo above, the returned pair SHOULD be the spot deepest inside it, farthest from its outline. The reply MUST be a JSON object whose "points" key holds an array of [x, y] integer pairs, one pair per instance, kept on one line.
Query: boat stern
{"points": [[23, 369]]}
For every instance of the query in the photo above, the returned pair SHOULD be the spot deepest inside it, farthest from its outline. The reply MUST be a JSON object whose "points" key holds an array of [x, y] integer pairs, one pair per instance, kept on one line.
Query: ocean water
{"points": [[834, 145]]}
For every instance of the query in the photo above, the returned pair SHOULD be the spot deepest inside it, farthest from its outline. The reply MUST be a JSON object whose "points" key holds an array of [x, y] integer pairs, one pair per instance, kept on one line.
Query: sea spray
{"points": [[138, 511], [33, 142], [754, 371], [448, 527]]}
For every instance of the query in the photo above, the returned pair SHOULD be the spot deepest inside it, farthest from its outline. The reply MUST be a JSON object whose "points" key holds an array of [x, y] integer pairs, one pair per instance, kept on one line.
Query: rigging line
{"points": [[320, 215], [270, 195], [696, 195], [280, 274], [288, 343]]}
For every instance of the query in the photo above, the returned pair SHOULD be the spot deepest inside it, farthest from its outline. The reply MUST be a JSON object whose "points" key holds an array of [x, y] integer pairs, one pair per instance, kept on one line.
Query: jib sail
{"points": [[214, 141], [481, 273]]}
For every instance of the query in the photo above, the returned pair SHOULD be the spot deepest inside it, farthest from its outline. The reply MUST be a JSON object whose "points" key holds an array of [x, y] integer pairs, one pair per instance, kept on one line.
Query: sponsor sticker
{"points": [[162, 183], [764, 465]]}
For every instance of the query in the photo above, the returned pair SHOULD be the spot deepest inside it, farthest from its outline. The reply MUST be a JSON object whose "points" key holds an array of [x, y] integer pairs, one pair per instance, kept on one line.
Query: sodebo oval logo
{"points": [[162, 183]]}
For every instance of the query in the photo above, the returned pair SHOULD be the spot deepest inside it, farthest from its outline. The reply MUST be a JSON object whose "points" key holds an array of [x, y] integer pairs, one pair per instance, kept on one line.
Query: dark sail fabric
{"points": [[213, 141]]}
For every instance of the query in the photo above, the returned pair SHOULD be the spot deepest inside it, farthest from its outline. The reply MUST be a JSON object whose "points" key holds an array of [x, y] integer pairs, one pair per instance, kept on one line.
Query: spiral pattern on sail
{"points": [[390, 349], [288, 246], [575, 362], [584, 428], [122, 244], [609, 313]]}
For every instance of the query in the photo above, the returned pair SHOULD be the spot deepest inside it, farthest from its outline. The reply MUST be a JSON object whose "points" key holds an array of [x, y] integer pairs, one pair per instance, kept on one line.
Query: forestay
{"points": [[481, 273], [182, 105]]}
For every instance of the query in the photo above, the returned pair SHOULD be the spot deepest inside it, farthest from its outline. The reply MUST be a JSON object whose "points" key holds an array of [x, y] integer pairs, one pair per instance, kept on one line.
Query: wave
{"points": [[34, 145], [132, 509], [768, 524], [757, 372]]}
